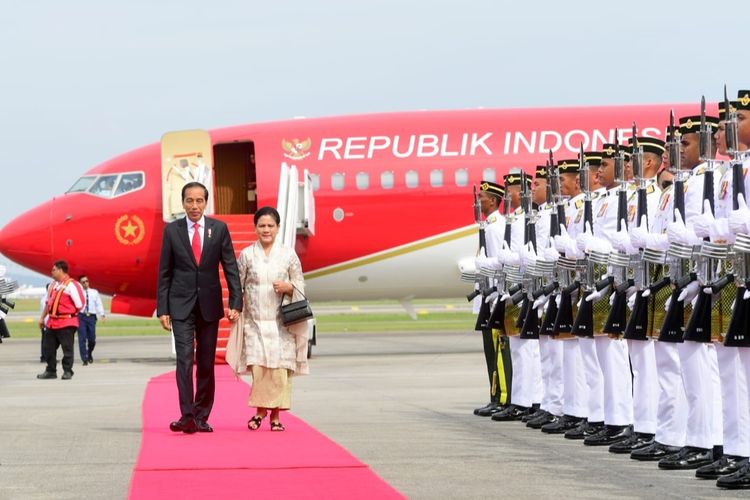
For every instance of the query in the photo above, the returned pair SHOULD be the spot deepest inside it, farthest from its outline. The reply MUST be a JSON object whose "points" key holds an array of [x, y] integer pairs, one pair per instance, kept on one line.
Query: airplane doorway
{"points": [[234, 178]]}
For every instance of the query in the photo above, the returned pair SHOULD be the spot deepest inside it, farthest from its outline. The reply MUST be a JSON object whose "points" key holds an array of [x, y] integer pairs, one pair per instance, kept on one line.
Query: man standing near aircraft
{"points": [[189, 301], [91, 311], [64, 301], [489, 197]]}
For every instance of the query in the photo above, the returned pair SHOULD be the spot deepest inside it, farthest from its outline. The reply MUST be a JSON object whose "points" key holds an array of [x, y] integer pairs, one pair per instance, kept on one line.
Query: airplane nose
{"points": [[27, 239]]}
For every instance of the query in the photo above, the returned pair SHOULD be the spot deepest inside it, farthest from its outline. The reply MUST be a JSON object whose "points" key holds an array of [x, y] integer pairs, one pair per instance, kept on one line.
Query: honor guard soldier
{"points": [[646, 161], [611, 350], [526, 389], [574, 381], [498, 372], [670, 408], [697, 354], [737, 335], [550, 351]]}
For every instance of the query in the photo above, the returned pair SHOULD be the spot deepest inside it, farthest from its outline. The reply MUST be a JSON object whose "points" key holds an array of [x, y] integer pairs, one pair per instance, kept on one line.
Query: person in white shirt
{"points": [[93, 309]]}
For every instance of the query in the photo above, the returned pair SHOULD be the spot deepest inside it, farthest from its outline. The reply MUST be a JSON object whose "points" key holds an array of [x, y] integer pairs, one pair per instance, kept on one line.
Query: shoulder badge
{"points": [[699, 171], [579, 203], [491, 219], [650, 189]]}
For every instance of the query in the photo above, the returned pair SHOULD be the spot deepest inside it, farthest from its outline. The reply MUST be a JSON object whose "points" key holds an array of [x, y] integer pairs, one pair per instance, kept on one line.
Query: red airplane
{"points": [[387, 212]]}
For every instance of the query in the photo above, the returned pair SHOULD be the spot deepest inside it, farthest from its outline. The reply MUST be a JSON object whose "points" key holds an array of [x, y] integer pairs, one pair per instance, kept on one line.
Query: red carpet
{"points": [[234, 462]]}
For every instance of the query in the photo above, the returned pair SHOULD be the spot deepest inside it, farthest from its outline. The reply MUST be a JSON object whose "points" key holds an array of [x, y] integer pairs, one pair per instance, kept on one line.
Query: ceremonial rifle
{"points": [[584, 322], [699, 325]]}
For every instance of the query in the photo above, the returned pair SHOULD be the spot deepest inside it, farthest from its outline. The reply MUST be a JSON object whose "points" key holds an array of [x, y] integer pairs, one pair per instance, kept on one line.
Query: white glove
{"points": [[599, 245], [528, 255], [666, 304], [597, 295], [563, 240], [631, 300], [506, 297], [583, 240], [540, 302], [677, 232], [746, 295], [719, 232], [507, 257], [491, 297], [481, 261], [689, 292], [703, 222], [621, 240], [739, 220], [550, 254], [558, 299]]}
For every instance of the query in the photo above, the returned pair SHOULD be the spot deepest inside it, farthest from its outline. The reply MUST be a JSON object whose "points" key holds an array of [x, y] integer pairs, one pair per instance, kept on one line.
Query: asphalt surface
{"points": [[401, 402]]}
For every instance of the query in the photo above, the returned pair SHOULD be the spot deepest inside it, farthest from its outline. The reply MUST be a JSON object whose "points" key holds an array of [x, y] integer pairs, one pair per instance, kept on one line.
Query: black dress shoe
{"points": [[185, 424], [532, 412], [727, 464], [85, 363], [541, 418], [740, 480], [91, 358], [67, 376], [44, 375], [485, 407], [636, 441], [491, 411], [610, 435], [654, 451], [689, 457], [512, 412], [203, 426], [584, 429], [562, 425]]}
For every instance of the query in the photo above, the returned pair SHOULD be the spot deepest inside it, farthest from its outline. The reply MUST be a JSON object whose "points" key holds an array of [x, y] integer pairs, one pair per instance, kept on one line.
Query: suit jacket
{"points": [[183, 282]]}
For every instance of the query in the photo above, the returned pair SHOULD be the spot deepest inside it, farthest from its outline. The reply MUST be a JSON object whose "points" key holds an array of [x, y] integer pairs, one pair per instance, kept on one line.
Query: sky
{"points": [[84, 81]]}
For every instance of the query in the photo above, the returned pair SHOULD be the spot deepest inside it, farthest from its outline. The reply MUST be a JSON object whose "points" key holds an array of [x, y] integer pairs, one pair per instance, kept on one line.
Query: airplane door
{"points": [[235, 178], [186, 156]]}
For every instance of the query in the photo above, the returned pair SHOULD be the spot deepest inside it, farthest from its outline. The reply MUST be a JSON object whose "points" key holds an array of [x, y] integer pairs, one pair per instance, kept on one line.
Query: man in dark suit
{"points": [[189, 301]]}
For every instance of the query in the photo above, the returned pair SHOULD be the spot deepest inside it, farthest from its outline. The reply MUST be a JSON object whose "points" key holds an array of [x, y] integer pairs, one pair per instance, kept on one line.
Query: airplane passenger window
{"points": [[337, 181], [363, 180], [104, 186], [315, 181], [386, 180], [488, 174], [412, 179], [129, 182], [82, 184], [436, 178], [462, 177]]}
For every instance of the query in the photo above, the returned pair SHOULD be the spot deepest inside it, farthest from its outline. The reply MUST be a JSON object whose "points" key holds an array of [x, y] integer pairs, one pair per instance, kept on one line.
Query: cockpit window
{"points": [[82, 184], [104, 186], [129, 182]]}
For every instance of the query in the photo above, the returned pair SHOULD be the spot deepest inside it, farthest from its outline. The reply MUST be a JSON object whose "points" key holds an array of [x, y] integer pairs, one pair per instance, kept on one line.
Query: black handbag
{"points": [[295, 312]]}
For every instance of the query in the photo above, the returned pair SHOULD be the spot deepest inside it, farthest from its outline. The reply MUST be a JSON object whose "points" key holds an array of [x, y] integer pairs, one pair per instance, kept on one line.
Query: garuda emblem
{"points": [[296, 149]]}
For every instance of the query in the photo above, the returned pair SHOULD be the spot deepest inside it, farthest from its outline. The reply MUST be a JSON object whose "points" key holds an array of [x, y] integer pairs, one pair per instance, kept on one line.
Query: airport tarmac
{"points": [[400, 402]]}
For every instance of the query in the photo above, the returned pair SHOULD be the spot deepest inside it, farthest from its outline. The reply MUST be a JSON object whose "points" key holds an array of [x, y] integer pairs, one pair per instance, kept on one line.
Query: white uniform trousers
{"points": [[592, 399], [744, 357], [734, 400], [671, 416], [618, 382], [645, 385], [551, 357], [527, 379], [696, 361]]}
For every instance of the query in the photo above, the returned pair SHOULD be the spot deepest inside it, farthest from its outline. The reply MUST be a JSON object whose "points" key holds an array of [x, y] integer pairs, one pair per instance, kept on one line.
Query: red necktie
{"points": [[197, 243]]}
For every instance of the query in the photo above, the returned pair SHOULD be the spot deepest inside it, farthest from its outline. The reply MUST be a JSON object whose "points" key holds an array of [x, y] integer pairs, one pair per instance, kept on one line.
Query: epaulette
{"points": [[491, 219], [700, 171], [579, 203], [518, 211], [595, 195], [650, 189]]}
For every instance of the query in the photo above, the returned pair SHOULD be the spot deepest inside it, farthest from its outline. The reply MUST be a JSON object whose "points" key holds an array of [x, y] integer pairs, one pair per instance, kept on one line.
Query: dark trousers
{"points": [[56, 338], [195, 330], [86, 335]]}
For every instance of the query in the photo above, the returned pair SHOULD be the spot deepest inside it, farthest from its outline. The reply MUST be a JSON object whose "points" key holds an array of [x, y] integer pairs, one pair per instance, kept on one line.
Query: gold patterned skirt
{"points": [[272, 388]]}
